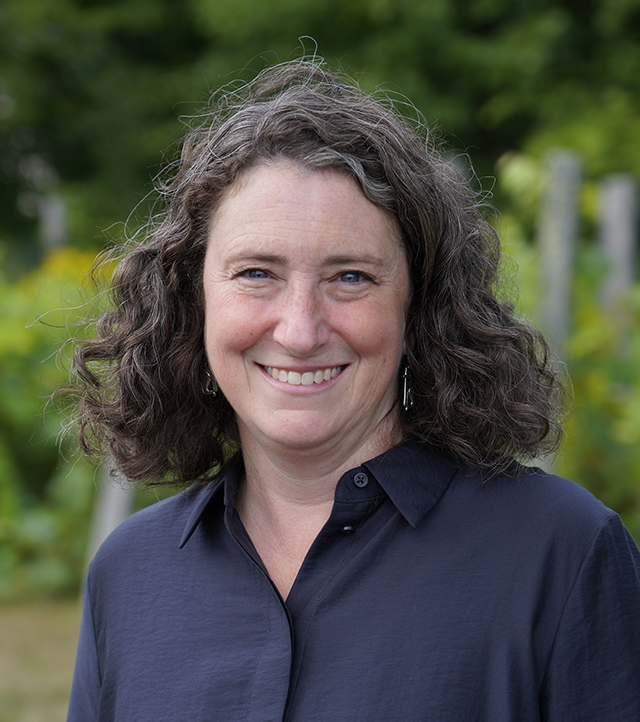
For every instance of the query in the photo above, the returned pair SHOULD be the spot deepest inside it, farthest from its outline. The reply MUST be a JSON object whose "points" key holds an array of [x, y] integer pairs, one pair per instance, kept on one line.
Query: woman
{"points": [[310, 338]]}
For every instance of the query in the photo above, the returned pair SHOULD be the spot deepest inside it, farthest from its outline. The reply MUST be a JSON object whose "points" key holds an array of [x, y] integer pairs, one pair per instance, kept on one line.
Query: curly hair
{"points": [[484, 388]]}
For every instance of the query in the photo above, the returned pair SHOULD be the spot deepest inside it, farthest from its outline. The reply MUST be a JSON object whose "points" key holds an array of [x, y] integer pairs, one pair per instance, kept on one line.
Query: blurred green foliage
{"points": [[601, 449], [92, 92], [45, 500]]}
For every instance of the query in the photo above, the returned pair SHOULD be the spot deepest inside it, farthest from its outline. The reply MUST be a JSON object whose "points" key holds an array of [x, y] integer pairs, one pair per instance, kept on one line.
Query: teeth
{"points": [[308, 378]]}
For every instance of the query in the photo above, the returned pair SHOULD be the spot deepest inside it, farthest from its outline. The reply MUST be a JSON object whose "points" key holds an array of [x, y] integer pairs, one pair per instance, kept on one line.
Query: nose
{"points": [[301, 326]]}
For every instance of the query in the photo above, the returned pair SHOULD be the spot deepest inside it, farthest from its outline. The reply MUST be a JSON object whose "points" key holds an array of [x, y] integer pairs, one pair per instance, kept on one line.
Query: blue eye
{"points": [[256, 273], [351, 277]]}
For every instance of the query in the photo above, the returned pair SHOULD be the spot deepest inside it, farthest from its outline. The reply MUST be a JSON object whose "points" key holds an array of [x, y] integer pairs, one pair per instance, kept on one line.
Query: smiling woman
{"points": [[311, 337], [308, 309]]}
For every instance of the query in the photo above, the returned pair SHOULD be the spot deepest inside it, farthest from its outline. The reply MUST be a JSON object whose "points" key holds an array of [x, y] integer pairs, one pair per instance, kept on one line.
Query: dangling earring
{"points": [[407, 392], [211, 387]]}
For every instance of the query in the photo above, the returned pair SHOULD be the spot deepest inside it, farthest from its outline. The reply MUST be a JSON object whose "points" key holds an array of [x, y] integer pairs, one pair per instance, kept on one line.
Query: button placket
{"points": [[360, 480]]}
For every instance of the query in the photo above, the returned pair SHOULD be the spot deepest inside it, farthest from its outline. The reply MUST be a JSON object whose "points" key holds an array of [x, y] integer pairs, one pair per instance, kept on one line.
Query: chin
{"points": [[300, 431], [301, 439]]}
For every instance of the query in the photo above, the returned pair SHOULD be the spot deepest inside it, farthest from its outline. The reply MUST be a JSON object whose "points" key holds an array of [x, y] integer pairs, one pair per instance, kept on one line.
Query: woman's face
{"points": [[306, 287]]}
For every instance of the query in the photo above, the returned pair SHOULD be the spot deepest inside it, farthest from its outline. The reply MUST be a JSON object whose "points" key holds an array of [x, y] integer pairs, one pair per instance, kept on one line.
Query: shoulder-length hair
{"points": [[483, 387]]}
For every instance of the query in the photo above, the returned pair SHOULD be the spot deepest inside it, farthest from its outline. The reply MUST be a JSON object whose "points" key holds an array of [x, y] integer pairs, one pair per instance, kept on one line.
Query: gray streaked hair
{"points": [[485, 391]]}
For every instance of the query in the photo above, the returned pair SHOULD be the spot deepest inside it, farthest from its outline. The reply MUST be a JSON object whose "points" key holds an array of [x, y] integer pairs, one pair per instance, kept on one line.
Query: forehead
{"points": [[280, 200]]}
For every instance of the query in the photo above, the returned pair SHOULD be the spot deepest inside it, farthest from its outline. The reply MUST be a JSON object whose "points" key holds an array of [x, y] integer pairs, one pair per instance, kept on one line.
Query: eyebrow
{"points": [[335, 260], [257, 258], [353, 260]]}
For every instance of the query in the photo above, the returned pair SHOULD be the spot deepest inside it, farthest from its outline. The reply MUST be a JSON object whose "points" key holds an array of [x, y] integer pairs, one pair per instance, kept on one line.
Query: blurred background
{"points": [[541, 96]]}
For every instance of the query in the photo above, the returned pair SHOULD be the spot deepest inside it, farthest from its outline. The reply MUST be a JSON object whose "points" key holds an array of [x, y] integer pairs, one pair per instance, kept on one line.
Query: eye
{"points": [[257, 273], [353, 277]]}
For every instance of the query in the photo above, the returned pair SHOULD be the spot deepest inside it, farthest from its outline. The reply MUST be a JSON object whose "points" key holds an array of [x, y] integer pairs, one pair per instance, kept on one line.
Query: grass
{"points": [[37, 650]]}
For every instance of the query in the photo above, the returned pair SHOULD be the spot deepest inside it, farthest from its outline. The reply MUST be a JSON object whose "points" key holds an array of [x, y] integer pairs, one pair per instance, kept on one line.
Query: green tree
{"points": [[95, 88]]}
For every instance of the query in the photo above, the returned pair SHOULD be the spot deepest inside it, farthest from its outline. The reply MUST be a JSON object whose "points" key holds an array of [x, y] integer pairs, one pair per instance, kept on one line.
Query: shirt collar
{"points": [[411, 475], [226, 484]]}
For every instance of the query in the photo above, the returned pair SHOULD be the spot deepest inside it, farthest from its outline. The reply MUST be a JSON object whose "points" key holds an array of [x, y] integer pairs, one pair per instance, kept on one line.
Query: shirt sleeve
{"points": [[85, 690], [594, 669]]}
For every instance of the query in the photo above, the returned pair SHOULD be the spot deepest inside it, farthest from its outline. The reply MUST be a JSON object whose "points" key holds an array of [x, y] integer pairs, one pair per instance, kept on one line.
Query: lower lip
{"points": [[299, 388]]}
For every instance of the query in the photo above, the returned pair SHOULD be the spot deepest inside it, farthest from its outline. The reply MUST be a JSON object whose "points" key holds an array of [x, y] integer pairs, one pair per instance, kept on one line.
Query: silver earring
{"points": [[211, 387], [407, 393]]}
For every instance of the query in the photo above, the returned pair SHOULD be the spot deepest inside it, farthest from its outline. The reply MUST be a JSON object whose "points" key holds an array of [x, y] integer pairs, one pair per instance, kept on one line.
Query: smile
{"points": [[305, 379]]}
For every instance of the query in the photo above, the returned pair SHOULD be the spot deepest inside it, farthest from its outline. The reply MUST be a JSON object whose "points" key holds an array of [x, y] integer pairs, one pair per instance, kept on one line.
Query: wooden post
{"points": [[52, 220], [557, 242], [112, 506], [617, 235]]}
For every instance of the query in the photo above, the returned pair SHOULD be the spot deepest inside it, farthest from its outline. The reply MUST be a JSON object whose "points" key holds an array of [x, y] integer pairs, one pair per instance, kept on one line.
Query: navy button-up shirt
{"points": [[428, 595]]}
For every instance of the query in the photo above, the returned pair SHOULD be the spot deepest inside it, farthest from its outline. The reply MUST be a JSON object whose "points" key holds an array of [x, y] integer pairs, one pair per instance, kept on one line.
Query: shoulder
{"points": [[535, 498], [530, 520], [152, 532], [427, 484]]}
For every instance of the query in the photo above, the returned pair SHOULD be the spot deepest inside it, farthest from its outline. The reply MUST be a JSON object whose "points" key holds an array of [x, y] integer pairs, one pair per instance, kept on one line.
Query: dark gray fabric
{"points": [[428, 595]]}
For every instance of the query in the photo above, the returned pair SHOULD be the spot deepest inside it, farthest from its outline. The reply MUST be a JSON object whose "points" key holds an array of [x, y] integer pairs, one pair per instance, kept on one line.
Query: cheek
{"points": [[374, 329], [224, 334], [227, 325]]}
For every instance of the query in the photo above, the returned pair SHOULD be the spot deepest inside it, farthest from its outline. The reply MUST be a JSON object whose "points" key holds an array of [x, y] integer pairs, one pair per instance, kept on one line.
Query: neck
{"points": [[287, 496], [307, 476]]}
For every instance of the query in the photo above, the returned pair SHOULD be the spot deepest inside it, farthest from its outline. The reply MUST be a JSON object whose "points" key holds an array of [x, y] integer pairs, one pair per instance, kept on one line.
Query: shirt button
{"points": [[360, 479], [347, 529]]}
